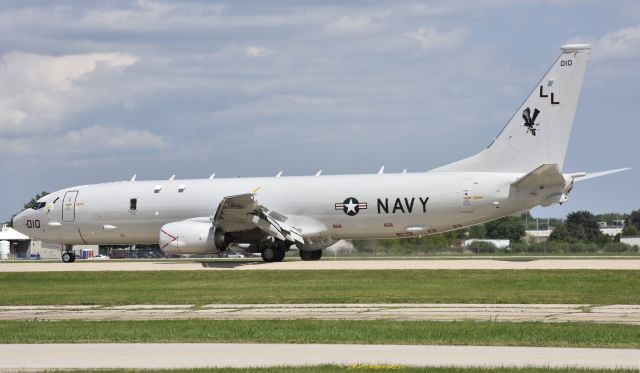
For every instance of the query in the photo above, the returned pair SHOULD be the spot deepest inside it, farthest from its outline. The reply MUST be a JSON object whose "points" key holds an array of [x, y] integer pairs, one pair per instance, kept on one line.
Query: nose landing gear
{"points": [[68, 256]]}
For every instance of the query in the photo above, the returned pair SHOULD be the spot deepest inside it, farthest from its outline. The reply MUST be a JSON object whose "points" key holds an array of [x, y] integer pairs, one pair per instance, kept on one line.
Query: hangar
{"points": [[17, 242]]}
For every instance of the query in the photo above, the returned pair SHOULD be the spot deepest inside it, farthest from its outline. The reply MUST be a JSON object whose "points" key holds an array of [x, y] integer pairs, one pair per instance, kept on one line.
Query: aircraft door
{"points": [[69, 206]]}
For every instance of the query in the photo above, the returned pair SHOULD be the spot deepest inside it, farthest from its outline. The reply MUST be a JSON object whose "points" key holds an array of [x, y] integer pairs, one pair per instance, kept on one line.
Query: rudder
{"points": [[538, 133]]}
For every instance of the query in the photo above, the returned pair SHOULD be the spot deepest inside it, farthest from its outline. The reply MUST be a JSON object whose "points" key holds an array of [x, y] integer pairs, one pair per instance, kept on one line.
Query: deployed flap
{"points": [[545, 175], [233, 213], [243, 212]]}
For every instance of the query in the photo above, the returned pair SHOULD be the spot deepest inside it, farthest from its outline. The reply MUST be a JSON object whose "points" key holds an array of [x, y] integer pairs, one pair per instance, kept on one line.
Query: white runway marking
{"points": [[326, 264], [621, 314], [193, 355]]}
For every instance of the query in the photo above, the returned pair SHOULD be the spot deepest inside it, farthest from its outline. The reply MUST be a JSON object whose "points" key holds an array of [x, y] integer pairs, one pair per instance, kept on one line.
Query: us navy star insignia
{"points": [[351, 206]]}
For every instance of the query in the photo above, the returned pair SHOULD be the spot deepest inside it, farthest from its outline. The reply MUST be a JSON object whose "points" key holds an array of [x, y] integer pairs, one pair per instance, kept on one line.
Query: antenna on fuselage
{"points": [[318, 173], [212, 176], [381, 170], [279, 174], [133, 178], [172, 177], [404, 171]]}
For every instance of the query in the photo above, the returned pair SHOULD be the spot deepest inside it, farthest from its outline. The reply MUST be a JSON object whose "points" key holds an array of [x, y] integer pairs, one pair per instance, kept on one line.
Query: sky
{"points": [[98, 91]]}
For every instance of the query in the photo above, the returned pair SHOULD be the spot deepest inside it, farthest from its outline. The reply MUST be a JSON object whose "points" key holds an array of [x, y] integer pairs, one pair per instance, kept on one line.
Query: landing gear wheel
{"points": [[68, 257], [273, 253], [310, 255]]}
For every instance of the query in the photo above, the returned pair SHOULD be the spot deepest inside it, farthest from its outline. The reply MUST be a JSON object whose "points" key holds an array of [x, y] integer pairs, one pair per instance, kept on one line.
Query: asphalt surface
{"points": [[327, 263], [621, 314], [188, 355]]}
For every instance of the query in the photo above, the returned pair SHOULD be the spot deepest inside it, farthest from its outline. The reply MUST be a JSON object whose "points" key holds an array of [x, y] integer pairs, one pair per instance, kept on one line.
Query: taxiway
{"points": [[325, 264], [193, 355]]}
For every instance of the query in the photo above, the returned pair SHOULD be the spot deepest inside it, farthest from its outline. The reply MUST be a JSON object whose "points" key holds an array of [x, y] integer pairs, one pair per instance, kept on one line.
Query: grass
{"points": [[377, 368], [330, 286], [314, 331]]}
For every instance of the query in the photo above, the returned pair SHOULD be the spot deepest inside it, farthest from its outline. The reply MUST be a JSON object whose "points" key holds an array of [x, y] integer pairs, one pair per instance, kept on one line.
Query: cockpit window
{"points": [[39, 205]]}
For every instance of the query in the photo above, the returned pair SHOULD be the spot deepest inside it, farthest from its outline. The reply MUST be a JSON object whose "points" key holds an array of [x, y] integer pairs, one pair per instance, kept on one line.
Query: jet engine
{"points": [[191, 237]]}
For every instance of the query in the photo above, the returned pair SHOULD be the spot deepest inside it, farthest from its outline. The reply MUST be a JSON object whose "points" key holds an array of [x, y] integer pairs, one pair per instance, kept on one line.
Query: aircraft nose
{"points": [[17, 222]]}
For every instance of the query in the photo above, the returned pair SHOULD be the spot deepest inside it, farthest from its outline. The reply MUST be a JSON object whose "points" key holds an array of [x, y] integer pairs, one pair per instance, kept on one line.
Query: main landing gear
{"points": [[310, 255], [68, 256], [273, 253]]}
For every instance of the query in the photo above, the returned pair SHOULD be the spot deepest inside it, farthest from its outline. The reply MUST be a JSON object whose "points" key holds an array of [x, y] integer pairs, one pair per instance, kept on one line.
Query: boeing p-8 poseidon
{"points": [[521, 169]]}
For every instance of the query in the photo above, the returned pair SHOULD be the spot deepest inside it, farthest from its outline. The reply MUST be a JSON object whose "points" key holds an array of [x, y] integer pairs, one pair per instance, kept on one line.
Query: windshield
{"points": [[39, 205]]}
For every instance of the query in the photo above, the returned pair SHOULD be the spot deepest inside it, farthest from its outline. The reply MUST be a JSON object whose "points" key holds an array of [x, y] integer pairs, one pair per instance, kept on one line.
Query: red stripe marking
{"points": [[168, 243], [337, 226], [388, 225]]}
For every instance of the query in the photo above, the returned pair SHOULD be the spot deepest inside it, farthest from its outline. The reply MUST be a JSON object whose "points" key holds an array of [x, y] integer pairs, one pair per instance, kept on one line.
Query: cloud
{"points": [[351, 24], [40, 91], [620, 44], [432, 38], [84, 141], [254, 51], [113, 138]]}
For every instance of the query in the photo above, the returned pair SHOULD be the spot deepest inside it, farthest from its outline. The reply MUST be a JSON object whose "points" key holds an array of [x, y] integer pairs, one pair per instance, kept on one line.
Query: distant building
{"points": [[612, 229], [500, 244], [18, 242], [633, 241], [537, 236]]}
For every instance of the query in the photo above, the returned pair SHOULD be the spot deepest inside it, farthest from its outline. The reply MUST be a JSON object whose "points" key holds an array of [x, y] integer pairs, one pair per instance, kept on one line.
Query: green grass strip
{"points": [[315, 331], [331, 286]]}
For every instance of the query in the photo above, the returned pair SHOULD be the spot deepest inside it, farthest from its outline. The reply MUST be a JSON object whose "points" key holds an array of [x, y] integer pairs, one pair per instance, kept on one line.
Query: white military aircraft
{"points": [[521, 169]]}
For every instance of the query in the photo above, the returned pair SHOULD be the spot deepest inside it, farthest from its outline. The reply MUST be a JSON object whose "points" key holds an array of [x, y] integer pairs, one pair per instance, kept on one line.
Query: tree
{"points": [[561, 234], [634, 219], [629, 231], [583, 226], [476, 231], [509, 227]]}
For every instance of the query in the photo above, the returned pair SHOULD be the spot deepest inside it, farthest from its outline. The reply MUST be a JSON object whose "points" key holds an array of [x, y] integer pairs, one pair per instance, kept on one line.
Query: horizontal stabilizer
{"points": [[545, 175], [601, 173]]}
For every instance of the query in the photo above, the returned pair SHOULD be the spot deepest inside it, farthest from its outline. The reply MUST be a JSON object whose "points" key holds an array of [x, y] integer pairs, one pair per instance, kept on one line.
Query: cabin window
{"points": [[133, 204]]}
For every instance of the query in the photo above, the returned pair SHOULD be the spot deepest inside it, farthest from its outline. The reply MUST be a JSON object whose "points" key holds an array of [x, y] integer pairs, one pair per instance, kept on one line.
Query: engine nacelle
{"points": [[190, 237]]}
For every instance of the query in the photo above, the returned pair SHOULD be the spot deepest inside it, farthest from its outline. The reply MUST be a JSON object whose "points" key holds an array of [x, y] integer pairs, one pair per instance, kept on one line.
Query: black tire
{"points": [[273, 253], [73, 257], [310, 255], [316, 255], [68, 257]]}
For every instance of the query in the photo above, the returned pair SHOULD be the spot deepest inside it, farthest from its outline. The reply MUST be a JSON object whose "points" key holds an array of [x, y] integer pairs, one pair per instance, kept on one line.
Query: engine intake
{"points": [[189, 237]]}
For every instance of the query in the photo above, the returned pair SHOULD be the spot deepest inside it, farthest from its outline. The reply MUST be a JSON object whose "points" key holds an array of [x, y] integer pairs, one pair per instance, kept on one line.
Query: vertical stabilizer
{"points": [[538, 133]]}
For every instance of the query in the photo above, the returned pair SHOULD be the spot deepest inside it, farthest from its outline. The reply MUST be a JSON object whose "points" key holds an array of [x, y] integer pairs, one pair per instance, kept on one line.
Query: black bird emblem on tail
{"points": [[529, 121]]}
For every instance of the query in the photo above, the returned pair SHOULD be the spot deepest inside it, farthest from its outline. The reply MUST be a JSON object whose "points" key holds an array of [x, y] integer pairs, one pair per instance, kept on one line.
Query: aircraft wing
{"points": [[242, 212]]}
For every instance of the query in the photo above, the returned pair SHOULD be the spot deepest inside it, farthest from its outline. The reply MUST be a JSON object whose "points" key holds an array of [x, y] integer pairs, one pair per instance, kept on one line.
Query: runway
{"points": [[194, 355], [620, 314], [325, 264]]}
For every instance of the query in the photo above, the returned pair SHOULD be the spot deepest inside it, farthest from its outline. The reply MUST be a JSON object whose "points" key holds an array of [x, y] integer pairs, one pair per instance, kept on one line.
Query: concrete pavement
{"points": [[325, 264], [193, 355]]}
